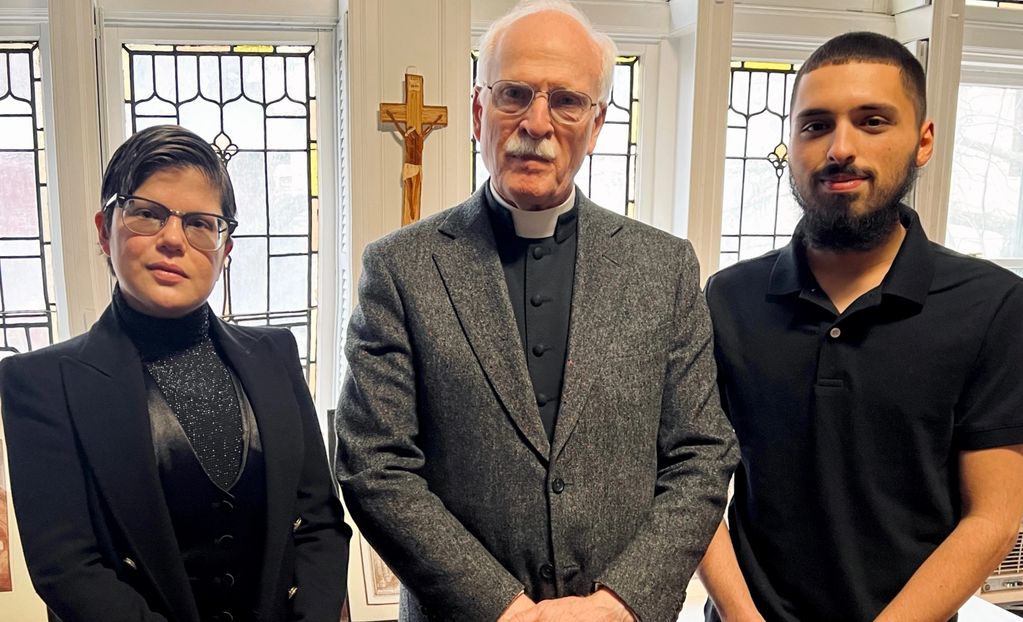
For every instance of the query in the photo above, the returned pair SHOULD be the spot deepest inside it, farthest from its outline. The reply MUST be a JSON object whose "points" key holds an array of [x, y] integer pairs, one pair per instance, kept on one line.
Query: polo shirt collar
{"points": [[913, 269], [791, 273], [909, 277]]}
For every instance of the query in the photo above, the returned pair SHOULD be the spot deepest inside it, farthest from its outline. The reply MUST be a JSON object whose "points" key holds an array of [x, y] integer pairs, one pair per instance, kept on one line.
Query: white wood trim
{"points": [[943, 63], [12, 17], [78, 167], [216, 21], [329, 268], [655, 171], [704, 180]]}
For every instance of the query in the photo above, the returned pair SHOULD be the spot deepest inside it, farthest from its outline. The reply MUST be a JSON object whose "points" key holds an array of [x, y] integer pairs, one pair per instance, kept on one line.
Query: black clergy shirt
{"points": [[850, 424], [540, 274]]}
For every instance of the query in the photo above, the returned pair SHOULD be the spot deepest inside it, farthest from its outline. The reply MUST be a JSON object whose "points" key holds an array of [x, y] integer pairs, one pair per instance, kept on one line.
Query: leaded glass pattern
{"points": [[759, 212], [27, 309], [608, 175], [257, 106]]}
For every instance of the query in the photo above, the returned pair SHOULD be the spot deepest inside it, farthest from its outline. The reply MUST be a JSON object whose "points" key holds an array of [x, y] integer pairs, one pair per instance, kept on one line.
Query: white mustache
{"points": [[519, 145]]}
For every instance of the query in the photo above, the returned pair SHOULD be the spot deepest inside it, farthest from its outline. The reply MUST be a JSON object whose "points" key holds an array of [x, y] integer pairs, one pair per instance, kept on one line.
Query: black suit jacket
{"points": [[95, 527]]}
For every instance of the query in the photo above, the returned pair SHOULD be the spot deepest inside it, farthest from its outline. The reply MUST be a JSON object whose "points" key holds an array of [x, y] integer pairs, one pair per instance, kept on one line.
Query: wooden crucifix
{"points": [[414, 122]]}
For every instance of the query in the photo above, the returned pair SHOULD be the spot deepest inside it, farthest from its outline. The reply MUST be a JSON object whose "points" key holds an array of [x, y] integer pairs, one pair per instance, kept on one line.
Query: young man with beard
{"points": [[873, 378]]}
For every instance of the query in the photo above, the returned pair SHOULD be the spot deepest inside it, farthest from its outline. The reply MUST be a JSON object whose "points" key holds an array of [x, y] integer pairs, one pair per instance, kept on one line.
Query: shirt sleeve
{"points": [[990, 409]]}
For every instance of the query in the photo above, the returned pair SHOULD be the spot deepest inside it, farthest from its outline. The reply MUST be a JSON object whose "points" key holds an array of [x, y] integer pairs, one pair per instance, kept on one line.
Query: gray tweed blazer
{"points": [[442, 457]]}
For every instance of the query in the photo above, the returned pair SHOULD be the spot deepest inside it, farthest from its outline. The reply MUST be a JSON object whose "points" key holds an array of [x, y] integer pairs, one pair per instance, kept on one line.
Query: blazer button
{"points": [[291, 591], [538, 252], [225, 541], [295, 525], [547, 572], [558, 486], [129, 562]]}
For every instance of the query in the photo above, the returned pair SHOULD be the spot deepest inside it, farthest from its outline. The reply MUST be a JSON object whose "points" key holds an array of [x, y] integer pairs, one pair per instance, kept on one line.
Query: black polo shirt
{"points": [[850, 424]]}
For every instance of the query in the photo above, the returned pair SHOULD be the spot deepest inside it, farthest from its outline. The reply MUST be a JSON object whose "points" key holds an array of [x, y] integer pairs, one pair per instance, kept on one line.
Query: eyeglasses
{"points": [[566, 106], [205, 232]]}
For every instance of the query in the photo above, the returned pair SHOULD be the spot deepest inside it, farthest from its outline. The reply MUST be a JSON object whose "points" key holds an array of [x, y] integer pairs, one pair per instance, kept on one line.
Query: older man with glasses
{"points": [[530, 429]]}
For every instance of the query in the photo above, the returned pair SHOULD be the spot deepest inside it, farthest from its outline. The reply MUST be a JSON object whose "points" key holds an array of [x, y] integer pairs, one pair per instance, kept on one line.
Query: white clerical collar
{"points": [[534, 224]]}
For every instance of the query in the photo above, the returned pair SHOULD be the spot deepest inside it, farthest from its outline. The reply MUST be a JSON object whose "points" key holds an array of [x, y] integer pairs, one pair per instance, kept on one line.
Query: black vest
{"points": [[220, 533]]}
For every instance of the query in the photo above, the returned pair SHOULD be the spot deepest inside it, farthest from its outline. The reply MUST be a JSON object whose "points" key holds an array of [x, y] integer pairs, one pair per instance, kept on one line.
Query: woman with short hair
{"points": [[168, 466]]}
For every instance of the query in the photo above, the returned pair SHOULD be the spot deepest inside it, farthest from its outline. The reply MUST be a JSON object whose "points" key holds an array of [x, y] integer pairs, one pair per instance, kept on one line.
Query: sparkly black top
{"points": [[181, 358]]}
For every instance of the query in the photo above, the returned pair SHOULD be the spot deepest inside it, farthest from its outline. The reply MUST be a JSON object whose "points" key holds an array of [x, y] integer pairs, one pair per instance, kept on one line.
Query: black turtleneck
{"points": [[180, 356]]}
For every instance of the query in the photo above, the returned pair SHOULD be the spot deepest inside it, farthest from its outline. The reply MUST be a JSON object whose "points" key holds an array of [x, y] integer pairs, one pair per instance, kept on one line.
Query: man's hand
{"points": [[600, 606], [519, 605]]}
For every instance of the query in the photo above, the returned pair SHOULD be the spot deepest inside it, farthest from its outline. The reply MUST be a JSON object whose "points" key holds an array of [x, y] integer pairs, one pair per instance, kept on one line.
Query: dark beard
{"points": [[828, 222]]}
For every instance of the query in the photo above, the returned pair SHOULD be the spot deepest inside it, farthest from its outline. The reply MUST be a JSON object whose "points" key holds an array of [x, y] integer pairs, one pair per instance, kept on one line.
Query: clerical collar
{"points": [[156, 337], [534, 224]]}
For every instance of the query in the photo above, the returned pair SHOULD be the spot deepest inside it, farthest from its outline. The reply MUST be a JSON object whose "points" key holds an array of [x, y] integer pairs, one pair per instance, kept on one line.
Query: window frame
{"points": [[116, 29], [31, 26]]}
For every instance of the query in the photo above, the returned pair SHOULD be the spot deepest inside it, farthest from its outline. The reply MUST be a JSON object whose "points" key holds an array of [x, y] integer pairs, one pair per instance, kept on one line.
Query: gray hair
{"points": [[488, 43]]}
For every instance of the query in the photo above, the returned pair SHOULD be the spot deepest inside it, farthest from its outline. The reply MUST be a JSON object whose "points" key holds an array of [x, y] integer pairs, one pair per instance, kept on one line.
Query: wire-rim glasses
{"points": [[204, 231], [566, 106]]}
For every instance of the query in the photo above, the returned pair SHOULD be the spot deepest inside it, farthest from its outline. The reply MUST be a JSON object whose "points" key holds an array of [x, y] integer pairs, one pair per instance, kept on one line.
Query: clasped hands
{"points": [[600, 606]]}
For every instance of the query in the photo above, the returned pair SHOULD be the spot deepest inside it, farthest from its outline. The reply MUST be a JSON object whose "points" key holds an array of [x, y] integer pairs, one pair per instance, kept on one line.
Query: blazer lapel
{"points": [[264, 377], [596, 299], [471, 271], [107, 400]]}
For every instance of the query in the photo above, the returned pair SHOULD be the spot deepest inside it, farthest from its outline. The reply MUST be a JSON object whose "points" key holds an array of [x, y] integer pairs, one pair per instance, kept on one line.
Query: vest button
{"points": [[538, 252], [536, 300], [539, 349], [542, 399], [558, 486], [224, 580], [223, 506]]}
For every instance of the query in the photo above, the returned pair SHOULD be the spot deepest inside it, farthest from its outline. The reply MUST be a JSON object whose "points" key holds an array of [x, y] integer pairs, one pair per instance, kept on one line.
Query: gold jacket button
{"points": [[129, 562], [291, 592]]}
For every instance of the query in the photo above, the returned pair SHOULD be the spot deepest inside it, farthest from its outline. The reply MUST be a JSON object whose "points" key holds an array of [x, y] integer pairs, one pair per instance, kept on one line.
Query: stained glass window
{"points": [[1001, 4], [985, 213], [608, 176], [759, 212], [256, 104], [27, 310]]}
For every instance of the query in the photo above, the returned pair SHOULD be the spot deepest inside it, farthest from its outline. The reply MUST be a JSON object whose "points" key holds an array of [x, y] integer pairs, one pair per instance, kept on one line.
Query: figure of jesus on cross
{"points": [[414, 122]]}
